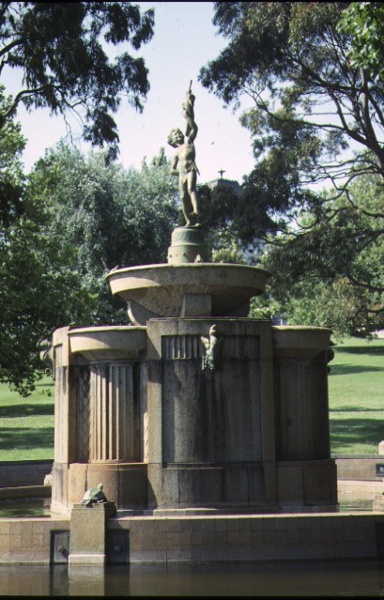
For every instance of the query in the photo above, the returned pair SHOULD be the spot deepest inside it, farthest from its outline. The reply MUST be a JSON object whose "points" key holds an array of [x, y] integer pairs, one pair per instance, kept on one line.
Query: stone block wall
{"points": [[256, 537], [219, 538]]}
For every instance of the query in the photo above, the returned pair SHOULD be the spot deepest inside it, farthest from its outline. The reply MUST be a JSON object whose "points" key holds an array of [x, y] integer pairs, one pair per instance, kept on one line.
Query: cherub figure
{"points": [[183, 163], [211, 360]]}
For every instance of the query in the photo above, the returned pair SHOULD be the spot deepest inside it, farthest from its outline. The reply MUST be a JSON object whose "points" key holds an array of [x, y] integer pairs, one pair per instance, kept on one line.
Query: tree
{"points": [[12, 145], [317, 119], [334, 275], [110, 216], [39, 292], [62, 50], [80, 218], [363, 22]]}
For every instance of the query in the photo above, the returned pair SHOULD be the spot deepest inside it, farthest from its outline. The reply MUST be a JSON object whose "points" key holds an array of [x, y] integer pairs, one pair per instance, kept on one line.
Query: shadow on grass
{"points": [[26, 410], [24, 438], [359, 408], [349, 432], [360, 349], [352, 369]]}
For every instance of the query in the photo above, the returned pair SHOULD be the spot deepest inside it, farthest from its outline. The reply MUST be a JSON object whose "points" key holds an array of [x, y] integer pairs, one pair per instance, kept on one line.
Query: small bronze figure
{"points": [[94, 495]]}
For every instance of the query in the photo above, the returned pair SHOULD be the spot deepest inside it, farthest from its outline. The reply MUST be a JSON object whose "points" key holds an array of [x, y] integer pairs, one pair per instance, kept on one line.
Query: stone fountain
{"points": [[194, 408]]}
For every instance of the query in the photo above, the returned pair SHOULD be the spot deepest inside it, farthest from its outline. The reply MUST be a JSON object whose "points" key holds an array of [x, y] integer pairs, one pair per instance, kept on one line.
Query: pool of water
{"points": [[297, 578], [40, 507], [25, 507]]}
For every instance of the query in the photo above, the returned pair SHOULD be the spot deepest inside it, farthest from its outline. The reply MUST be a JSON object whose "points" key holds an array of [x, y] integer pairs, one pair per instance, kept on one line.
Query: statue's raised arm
{"points": [[184, 164], [189, 114]]}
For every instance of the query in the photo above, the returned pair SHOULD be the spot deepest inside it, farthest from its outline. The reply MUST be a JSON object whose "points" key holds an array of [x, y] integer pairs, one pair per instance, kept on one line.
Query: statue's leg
{"points": [[192, 192], [185, 204]]}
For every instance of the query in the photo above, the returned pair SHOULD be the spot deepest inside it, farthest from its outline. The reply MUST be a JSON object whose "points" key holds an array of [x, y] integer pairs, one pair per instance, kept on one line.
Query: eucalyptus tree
{"points": [[363, 22], [343, 289], [317, 122], [63, 51]]}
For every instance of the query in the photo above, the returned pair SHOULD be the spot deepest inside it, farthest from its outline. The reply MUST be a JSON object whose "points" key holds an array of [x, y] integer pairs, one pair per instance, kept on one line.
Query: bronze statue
{"points": [[94, 496], [183, 163]]}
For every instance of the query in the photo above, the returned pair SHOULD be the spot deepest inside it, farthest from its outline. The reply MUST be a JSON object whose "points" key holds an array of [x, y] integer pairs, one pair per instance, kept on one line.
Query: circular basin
{"points": [[300, 341], [160, 289], [108, 343]]}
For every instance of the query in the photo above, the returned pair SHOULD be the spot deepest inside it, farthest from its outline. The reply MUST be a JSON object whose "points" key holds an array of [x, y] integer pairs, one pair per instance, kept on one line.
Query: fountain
{"points": [[194, 409]]}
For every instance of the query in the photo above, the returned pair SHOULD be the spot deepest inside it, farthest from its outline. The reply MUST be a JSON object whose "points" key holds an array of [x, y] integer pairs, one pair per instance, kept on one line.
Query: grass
{"points": [[356, 404], [26, 424], [356, 395]]}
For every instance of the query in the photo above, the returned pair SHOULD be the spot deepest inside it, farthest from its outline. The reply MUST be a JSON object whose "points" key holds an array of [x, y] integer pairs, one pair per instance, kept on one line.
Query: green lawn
{"points": [[26, 424], [356, 397], [356, 401]]}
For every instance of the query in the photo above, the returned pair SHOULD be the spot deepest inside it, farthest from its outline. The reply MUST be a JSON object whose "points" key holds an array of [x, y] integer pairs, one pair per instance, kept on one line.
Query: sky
{"points": [[185, 40]]}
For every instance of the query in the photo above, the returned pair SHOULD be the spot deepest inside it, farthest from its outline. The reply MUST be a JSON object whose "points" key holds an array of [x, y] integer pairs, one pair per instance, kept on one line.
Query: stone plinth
{"points": [[301, 378], [123, 483], [378, 503], [187, 246], [178, 416], [306, 475], [87, 539], [207, 441]]}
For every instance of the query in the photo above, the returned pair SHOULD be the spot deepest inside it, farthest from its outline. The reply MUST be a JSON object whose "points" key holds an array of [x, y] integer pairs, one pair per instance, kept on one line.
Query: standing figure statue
{"points": [[183, 163]]}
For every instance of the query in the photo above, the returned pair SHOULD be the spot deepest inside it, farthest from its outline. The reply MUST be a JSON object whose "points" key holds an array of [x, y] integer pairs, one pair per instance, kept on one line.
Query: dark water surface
{"points": [[354, 578]]}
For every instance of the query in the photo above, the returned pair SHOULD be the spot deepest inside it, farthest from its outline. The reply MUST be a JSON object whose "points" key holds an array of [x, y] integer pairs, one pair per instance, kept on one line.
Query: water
{"points": [[40, 507], [298, 579], [24, 507], [359, 578]]}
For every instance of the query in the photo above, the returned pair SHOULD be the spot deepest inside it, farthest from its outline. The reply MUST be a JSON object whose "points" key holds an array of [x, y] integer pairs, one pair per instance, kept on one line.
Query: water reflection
{"points": [[300, 578], [24, 507], [40, 507]]}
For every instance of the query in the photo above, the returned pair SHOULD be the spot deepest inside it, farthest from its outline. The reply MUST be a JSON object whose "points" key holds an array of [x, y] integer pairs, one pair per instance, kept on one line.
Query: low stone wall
{"points": [[220, 538], [28, 541], [24, 472], [279, 537], [369, 468]]}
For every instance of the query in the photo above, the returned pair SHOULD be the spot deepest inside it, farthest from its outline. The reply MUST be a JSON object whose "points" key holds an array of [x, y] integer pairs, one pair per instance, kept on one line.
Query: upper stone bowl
{"points": [[194, 289]]}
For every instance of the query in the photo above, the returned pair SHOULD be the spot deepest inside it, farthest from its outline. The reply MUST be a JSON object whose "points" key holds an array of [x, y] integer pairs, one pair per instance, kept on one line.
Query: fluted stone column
{"points": [[99, 407], [113, 413]]}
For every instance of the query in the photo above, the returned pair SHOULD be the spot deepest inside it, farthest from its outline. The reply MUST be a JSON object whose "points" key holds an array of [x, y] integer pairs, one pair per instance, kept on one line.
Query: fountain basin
{"points": [[300, 341], [160, 290], [108, 343]]}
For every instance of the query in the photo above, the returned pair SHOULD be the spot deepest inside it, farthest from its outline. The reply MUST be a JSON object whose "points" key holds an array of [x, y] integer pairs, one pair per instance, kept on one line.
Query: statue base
{"points": [[188, 246]]}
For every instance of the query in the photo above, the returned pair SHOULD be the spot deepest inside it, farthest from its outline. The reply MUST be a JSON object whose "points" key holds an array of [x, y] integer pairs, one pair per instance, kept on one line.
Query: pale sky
{"points": [[185, 40]]}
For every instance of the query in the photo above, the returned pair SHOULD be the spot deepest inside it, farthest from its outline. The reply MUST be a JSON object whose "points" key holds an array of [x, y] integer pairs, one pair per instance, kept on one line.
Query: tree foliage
{"points": [[38, 287], [39, 292], [110, 216], [334, 274], [12, 145], [363, 22], [62, 48], [317, 121], [81, 218]]}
